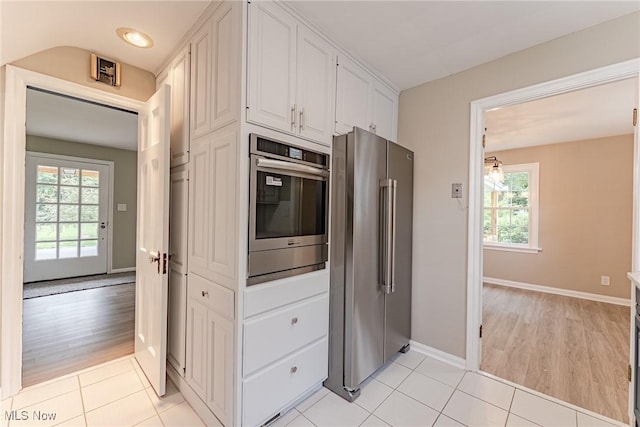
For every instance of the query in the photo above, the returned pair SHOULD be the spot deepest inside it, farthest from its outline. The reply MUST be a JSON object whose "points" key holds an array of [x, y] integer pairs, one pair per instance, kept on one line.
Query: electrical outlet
{"points": [[456, 191], [604, 280]]}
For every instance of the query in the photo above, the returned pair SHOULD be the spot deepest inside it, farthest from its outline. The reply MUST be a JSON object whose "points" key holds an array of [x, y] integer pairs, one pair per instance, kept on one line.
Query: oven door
{"points": [[287, 204]]}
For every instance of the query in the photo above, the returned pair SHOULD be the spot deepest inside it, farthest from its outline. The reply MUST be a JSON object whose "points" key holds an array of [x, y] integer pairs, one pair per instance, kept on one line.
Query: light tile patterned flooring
{"points": [[413, 390]]}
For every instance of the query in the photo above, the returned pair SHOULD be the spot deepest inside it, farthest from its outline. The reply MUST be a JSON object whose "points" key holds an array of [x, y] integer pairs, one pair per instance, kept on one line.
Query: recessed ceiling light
{"points": [[134, 37]]}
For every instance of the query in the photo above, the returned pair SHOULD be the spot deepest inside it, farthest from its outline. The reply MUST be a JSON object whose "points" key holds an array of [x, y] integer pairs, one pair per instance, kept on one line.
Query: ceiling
{"points": [[409, 42], [595, 112], [28, 27], [412, 42], [68, 119]]}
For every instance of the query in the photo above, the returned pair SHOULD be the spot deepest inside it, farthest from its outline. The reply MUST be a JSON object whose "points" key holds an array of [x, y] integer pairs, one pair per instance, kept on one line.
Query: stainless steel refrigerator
{"points": [[370, 257]]}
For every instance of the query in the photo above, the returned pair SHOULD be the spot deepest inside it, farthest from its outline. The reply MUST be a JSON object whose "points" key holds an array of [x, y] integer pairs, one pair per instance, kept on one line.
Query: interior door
{"points": [[66, 217], [153, 238]]}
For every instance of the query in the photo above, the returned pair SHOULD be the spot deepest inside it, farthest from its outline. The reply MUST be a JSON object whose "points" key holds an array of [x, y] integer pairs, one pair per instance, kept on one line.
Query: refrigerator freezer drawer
{"points": [[278, 386], [276, 334]]}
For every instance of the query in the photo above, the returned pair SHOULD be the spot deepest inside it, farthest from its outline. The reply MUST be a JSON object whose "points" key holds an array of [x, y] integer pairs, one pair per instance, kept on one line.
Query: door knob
{"points": [[155, 257]]}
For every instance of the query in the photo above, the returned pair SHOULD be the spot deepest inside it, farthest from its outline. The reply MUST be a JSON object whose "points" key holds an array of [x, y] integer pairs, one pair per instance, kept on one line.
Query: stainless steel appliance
{"points": [[288, 210], [371, 237]]}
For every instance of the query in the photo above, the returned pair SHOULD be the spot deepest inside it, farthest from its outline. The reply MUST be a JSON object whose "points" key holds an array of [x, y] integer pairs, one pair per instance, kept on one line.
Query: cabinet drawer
{"points": [[214, 296], [279, 333], [271, 390]]}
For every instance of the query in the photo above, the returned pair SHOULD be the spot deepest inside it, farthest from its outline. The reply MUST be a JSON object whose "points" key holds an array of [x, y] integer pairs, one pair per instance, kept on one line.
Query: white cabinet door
{"points": [[384, 112], [177, 309], [201, 81], [179, 76], [272, 67], [353, 96], [220, 365], [225, 75], [316, 87], [213, 221], [197, 349]]}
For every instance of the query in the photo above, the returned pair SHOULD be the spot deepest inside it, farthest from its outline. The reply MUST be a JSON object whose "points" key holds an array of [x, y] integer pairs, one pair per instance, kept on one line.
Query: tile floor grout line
{"points": [[84, 411]]}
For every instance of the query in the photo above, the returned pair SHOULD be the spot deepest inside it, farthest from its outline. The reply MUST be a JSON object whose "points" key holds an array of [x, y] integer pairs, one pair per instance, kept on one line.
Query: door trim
{"points": [[110, 185], [13, 146], [598, 76]]}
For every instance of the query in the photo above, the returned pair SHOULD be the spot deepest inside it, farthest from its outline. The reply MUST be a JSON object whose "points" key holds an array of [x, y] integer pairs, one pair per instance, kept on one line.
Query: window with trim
{"points": [[511, 209]]}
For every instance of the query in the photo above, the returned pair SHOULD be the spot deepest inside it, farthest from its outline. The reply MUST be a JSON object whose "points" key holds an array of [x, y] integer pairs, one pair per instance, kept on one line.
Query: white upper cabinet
{"points": [[353, 96], [316, 86], [384, 113], [363, 101], [291, 76], [177, 76], [272, 67], [215, 92]]}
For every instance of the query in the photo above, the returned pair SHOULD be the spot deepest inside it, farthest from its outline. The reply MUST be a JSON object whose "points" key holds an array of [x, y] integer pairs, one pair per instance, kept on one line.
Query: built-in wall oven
{"points": [[288, 210]]}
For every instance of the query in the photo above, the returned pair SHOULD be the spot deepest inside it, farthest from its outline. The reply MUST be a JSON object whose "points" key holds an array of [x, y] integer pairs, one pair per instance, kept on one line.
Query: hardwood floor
{"points": [[68, 332], [573, 349]]}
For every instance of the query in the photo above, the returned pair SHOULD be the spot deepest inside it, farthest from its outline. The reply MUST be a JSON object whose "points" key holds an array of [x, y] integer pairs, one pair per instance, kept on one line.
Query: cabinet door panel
{"points": [[199, 204], [272, 68], [225, 94], [222, 206], [180, 109], [384, 111], [201, 81], [353, 96], [316, 87], [197, 347], [220, 381], [177, 269], [177, 316]]}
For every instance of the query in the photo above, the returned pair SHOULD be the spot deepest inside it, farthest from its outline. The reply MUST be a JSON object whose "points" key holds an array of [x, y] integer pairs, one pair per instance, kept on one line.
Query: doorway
{"points": [[479, 109], [79, 300]]}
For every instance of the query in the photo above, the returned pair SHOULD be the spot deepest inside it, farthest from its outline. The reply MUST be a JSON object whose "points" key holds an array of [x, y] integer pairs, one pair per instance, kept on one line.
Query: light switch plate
{"points": [[122, 207], [456, 191]]}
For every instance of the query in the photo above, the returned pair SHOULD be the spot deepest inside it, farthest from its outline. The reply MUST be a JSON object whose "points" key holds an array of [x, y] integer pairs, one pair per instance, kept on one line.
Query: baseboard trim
{"points": [[440, 355], [557, 291], [122, 270]]}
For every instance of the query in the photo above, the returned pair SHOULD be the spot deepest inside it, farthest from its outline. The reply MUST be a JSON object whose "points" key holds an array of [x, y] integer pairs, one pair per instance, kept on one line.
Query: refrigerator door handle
{"points": [[392, 263], [388, 225]]}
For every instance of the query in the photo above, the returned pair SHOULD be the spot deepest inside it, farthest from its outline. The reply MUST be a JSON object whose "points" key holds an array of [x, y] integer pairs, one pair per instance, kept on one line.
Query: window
{"points": [[66, 212], [511, 209]]}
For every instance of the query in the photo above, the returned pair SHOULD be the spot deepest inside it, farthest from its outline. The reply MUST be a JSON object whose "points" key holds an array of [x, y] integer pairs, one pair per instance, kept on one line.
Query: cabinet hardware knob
{"points": [[205, 293], [294, 320], [294, 369]]}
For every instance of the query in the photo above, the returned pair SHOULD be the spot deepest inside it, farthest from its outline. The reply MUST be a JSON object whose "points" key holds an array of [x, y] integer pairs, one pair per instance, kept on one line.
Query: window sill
{"points": [[512, 248]]}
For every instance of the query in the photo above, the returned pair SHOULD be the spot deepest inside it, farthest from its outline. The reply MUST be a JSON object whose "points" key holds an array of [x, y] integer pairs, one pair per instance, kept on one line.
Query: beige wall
{"points": [[585, 216], [72, 64], [124, 189], [434, 123]]}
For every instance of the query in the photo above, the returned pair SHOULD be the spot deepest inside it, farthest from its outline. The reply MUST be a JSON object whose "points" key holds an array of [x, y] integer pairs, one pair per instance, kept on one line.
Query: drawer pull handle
{"points": [[294, 320], [205, 293], [294, 369]]}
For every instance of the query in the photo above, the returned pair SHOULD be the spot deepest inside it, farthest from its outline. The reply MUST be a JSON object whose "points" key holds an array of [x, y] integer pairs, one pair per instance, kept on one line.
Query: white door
{"points": [[66, 217], [272, 67], [316, 87], [153, 238]]}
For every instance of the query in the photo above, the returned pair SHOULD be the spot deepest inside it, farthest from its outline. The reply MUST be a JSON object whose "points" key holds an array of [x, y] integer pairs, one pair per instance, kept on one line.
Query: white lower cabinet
{"points": [[210, 352], [285, 346], [270, 390]]}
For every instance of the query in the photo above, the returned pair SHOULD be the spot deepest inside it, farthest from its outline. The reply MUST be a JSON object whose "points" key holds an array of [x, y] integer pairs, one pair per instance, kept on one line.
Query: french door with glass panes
{"points": [[66, 217]]}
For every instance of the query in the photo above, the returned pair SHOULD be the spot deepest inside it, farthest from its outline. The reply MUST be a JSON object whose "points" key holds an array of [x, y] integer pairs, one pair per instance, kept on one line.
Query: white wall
{"points": [[434, 123]]}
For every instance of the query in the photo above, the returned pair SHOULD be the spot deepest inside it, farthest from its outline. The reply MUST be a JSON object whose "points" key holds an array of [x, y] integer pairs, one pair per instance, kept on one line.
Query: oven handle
{"points": [[290, 166]]}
